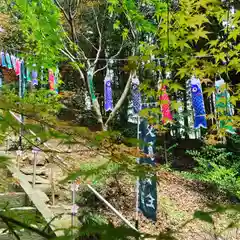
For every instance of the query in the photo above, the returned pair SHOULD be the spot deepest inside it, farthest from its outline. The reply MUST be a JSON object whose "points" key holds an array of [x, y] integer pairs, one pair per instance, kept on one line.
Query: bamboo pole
{"points": [[111, 207]]}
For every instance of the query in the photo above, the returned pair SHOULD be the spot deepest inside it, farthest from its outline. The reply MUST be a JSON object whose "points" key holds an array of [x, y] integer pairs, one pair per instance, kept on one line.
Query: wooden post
{"points": [[74, 187], [19, 154], [7, 145], [137, 183], [34, 151], [52, 179]]}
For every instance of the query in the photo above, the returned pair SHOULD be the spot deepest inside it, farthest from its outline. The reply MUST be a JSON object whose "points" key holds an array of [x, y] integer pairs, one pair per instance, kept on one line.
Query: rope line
{"points": [[103, 59]]}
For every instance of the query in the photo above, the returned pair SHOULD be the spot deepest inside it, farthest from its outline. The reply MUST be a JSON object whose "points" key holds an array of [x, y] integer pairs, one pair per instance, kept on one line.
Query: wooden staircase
{"points": [[24, 199]]}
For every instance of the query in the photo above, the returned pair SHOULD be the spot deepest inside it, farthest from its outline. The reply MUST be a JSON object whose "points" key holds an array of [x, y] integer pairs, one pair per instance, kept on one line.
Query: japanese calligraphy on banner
{"points": [[148, 187]]}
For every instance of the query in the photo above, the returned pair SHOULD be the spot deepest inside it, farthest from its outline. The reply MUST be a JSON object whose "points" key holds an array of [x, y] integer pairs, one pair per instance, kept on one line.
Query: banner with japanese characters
{"points": [[147, 187]]}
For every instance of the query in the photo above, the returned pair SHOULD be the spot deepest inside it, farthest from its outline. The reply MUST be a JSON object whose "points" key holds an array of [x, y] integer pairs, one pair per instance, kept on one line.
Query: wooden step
{"points": [[13, 199], [37, 197]]}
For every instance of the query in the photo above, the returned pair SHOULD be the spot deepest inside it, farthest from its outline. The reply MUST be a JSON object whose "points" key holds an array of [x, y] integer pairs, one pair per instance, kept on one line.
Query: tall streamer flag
{"points": [[108, 101], [165, 104], [13, 60], [18, 67], [8, 61], [51, 79], [198, 104], [148, 186], [146, 198], [56, 76], [3, 60], [136, 95], [90, 84], [224, 106], [34, 76]]}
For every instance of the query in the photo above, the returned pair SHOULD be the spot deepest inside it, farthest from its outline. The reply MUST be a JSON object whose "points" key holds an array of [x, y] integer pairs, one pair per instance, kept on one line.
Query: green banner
{"points": [[90, 84]]}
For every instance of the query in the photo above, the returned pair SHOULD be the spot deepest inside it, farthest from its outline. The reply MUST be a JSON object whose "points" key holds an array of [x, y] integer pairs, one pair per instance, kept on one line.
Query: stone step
{"points": [[28, 170], [38, 180]]}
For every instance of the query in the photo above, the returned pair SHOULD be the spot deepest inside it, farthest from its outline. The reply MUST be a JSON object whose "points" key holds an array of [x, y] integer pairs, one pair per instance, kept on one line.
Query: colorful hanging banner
{"points": [[90, 84], [56, 75], [198, 104], [108, 101], [8, 61], [18, 67], [147, 188], [13, 60], [34, 77], [51, 79], [165, 104], [136, 95], [3, 60], [28, 74], [23, 79], [224, 106]]}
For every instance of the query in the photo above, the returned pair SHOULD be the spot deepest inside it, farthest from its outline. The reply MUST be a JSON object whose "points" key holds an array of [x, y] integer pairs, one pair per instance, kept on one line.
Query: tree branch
{"points": [[76, 7], [62, 9], [72, 58], [111, 58], [89, 41], [121, 100], [100, 38]]}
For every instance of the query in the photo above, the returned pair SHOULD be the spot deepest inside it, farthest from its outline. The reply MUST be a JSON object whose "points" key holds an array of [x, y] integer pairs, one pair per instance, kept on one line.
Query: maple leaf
{"points": [[202, 53], [176, 87], [182, 72], [205, 81], [199, 33], [209, 91], [176, 105], [233, 100]]}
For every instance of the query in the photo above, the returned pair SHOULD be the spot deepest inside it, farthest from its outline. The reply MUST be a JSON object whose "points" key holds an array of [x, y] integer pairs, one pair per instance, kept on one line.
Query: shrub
{"points": [[218, 166]]}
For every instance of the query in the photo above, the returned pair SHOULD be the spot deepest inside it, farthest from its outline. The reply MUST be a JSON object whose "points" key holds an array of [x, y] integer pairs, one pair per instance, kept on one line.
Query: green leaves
{"points": [[116, 25], [40, 24], [209, 91], [175, 87], [4, 161], [199, 33]]}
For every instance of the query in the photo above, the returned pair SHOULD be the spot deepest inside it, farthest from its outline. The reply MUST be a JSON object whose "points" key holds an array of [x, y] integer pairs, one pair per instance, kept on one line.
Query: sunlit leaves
{"points": [[40, 24], [175, 87], [125, 33], [175, 105], [116, 25], [198, 33], [209, 91], [206, 81]]}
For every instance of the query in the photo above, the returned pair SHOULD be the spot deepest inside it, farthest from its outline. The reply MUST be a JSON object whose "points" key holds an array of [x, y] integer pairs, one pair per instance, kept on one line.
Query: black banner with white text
{"points": [[148, 186]]}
